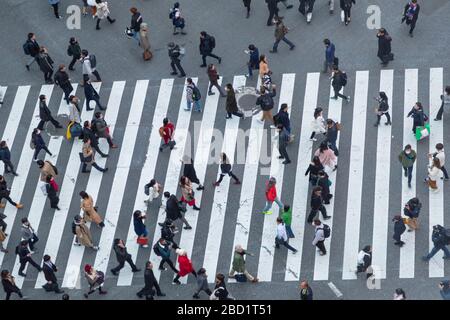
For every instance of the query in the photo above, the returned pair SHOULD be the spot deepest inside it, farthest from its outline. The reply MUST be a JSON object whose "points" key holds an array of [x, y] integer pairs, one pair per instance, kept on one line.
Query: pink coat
{"points": [[327, 158]]}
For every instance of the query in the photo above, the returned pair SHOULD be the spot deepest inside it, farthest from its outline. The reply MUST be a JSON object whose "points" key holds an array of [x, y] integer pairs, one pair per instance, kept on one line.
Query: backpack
{"points": [[26, 49], [326, 231], [93, 61], [156, 250], [212, 42], [161, 132], [343, 79], [196, 96], [267, 100], [172, 13], [147, 190], [17, 250]]}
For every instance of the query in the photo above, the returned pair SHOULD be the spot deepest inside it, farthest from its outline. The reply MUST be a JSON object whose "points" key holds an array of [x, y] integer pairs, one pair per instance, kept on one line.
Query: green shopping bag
{"points": [[422, 132]]}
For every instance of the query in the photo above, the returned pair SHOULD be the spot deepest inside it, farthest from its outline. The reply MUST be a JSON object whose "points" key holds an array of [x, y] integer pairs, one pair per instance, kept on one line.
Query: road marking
{"points": [[335, 290], [2, 94]]}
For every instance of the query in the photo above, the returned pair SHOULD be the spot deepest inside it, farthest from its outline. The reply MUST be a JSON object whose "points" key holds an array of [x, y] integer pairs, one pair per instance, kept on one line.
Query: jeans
{"points": [[408, 172], [56, 10], [72, 63], [8, 164], [96, 166], [332, 146], [135, 36], [231, 174], [269, 204], [38, 149], [444, 171], [284, 243], [436, 249], [289, 232], [246, 273], [289, 43], [208, 55], [412, 26], [197, 105], [283, 152]]}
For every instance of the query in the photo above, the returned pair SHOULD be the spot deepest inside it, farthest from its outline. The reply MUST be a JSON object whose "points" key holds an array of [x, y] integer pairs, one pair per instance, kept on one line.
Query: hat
{"points": [[171, 45], [87, 268], [181, 252]]}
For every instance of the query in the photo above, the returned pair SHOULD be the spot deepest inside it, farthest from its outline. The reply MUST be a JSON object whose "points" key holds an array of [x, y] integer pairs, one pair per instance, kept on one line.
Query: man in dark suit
{"points": [[150, 282], [49, 269], [122, 257], [25, 257], [45, 114]]}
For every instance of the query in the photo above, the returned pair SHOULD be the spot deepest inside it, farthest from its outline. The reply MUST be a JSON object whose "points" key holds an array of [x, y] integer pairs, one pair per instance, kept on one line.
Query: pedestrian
{"points": [[365, 261], [317, 205], [280, 35], [231, 105], [445, 105], [271, 196], [4, 193], [399, 294], [272, 5], [253, 62], [152, 190], [287, 220], [102, 13], [433, 174], [74, 51], [412, 210], [440, 154], [247, 6], [382, 109], [330, 59], [96, 279], [88, 132], [444, 287], [324, 182], [9, 285], [238, 270], [31, 48], [90, 213], [102, 129], [45, 63], [306, 292], [407, 158], [5, 156], [282, 117], [45, 114], [326, 156], [55, 5], [162, 249], [306, 9], [220, 291], [91, 95], [346, 7], [51, 189], [150, 282], [225, 169], [189, 171], [89, 63], [28, 234], [139, 227], [187, 192], [202, 284], [418, 115], [318, 124], [136, 22], [3, 224], [63, 81], [25, 257], [265, 101], [213, 80], [281, 237], [439, 237], [144, 42], [178, 21], [3, 235], [173, 210], [168, 231], [74, 110], [339, 81], [263, 66], [122, 256], [207, 45], [313, 170], [399, 229], [65, 296], [283, 140], [332, 134], [193, 96], [83, 234], [410, 15], [384, 47], [174, 54], [49, 269], [88, 155], [167, 133], [185, 265]]}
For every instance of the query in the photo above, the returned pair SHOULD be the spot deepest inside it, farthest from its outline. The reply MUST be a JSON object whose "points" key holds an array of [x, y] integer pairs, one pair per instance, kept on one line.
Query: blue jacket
{"points": [[254, 59], [38, 141], [445, 292], [283, 118], [5, 154], [139, 226], [329, 53]]}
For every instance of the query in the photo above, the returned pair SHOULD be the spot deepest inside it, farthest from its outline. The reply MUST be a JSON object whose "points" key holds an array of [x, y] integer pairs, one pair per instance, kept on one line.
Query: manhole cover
{"points": [[246, 98]]}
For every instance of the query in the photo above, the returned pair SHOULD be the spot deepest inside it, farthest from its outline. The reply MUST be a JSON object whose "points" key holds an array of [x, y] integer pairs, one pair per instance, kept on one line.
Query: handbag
{"points": [[76, 130], [142, 240], [44, 189], [2, 236], [147, 55], [68, 133], [240, 277], [422, 132]]}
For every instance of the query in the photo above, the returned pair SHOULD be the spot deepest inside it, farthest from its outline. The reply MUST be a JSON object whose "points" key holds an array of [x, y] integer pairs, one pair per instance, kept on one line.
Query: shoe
{"points": [[105, 156], [411, 35], [376, 124], [215, 184], [162, 269], [57, 208], [266, 212], [237, 182], [211, 93], [86, 295], [196, 208], [294, 252], [175, 33], [145, 246], [335, 98], [22, 274], [19, 206], [105, 170], [114, 146], [248, 75], [183, 33], [201, 188], [96, 248], [327, 217], [313, 139], [85, 171], [321, 253], [220, 60], [292, 48], [114, 272], [290, 6], [28, 67], [176, 281], [59, 127], [286, 162], [4, 250], [255, 280], [160, 149], [436, 119], [71, 69], [273, 51], [162, 294], [335, 168], [409, 185], [97, 28], [388, 123], [187, 228], [173, 73], [186, 109], [77, 244], [446, 258], [136, 270], [112, 21], [89, 109], [59, 17], [196, 296], [139, 295], [280, 157], [103, 292], [348, 99], [203, 66], [59, 291]]}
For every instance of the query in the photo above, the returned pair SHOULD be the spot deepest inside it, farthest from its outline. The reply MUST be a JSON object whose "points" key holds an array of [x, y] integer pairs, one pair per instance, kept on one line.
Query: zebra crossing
{"points": [[135, 111]]}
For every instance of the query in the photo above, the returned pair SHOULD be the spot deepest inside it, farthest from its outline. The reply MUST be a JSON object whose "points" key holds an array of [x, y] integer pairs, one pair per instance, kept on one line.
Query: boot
{"points": [[196, 208]]}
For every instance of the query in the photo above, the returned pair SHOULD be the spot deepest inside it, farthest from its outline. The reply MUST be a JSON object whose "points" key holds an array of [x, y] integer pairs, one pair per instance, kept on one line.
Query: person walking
{"points": [[287, 220], [263, 67], [282, 117], [49, 269], [433, 174], [412, 210], [178, 21], [95, 279], [346, 7], [324, 182], [339, 81], [364, 261], [122, 256], [306, 9], [238, 265], [407, 158], [193, 96], [4, 193], [306, 292], [74, 51], [3, 236], [173, 210], [272, 6], [418, 115], [52, 188], [55, 5], [318, 124], [332, 135], [90, 213], [175, 62], [399, 294], [187, 192], [185, 265], [410, 15], [167, 133], [152, 190], [91, 95], [63, 81], [384, 46], [162, 249], [231, 105], [253, 62], [326, 156], [213, 80], [74, 110], [440, 154], [225, 169], [202, 284], [25, 257], [317, 205], [445, 105], [271, 196], [313, 170], [280, 35], [399, 229], [83, 234], [31, 48], [265, 101], [382, 109], [88, 155], [247, 6], [189, 171], [150, 282], [89, 63], [439, 237], [45, 63], [27, 233], [102, 129], [144, 42], [9, 285], [220, 291], [283, 141], [5, 156], [281, 237], [136, 22], [88, 132], [102, 13], [45, 114], [330, 59], [207, 45], [139, 226]]}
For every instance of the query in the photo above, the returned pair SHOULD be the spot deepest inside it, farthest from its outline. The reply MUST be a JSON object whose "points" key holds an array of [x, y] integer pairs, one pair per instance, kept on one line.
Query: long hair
{"points": [[317, 112]]}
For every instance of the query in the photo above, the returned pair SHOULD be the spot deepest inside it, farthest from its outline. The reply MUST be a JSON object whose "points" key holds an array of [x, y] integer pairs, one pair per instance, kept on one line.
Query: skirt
{"points": [[191, 203]]}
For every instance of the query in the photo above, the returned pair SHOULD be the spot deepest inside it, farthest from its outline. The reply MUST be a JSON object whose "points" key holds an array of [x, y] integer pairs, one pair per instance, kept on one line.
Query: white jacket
{"points": [[441, 156], [433, 172], [318, 125], [102, 10], [87, 68], [318, 235], [74, 115], [281, 232]]}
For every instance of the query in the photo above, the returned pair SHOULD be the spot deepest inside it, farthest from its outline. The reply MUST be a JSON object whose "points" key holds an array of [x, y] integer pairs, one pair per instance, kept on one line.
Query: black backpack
{"points": [[93, 61], [156, 250], [17, 250], [196, 95], [267, 100], [212, 42], [326, 231], [343, 79], [26, 48]]}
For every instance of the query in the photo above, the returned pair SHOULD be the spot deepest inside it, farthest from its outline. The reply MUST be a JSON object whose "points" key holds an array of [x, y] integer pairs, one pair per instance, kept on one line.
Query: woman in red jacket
{"points": [[271, 196], [185, 266]]}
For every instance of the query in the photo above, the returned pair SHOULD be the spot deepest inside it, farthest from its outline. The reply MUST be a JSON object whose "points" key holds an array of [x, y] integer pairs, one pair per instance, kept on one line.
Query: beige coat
{"points": [[263, 68], [143, 36], [84, 235], [102, 10], [186, 190], [87, 151], [47, 170], [87, 205]]}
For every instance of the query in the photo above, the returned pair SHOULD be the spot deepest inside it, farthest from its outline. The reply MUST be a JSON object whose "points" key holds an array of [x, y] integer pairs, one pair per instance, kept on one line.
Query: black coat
{"points": [[345, 4], [221, 293], [415, 15], [418, 116], [172, 209], [316, 202], [34, 47], [23, 253], [399, 227], [266, 100], [323, 182], [3, 189], [313, 170], [283, 118], [9, 287], [91, 135], [247, 2], [45, 62], [89, 91], [136, 21], [74, 50], [44, 112], [384, 44], [332, 134], [189, 171], [121, 253], [5, 154], [205, 45], [62, 79], [51, 193], [167, 234], [38, 140], [149, 279], [49, 272]]}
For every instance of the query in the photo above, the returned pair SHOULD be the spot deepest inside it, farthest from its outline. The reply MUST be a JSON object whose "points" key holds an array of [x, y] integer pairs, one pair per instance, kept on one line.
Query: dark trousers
{"points": [[122, 264], [48, 76], [208, 55], [231, 174], [8, 164], [444, 171], [97, 102], [3, 225], [52, 120], [56, 9], [107, 18], [388, 117], [169, 144], [236, 113], [412, 26], [207, 291], [72, 63], [176, 64], [397, 237], [24, 262], [67, 91], [247, 6], [272, 14], [169, 262], [321, 246], [54, 202], [408, 172], [303, 4], [215, 84], [178, 276], [32, 241], [347, 13], [338, 94], [97, 148], [32, 60], [95, 165], [38, 149], [8, 198], [95, 73], [283, 152], [17, 290], [332, 146], [284, 39], [149, 292], [441, 111], [313, 213], [284, 243]]}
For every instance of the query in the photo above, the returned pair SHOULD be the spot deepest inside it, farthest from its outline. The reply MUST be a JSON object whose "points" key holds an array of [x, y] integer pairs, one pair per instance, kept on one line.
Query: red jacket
{"points": [[271, 194], [185, 265], [168, 132]]}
